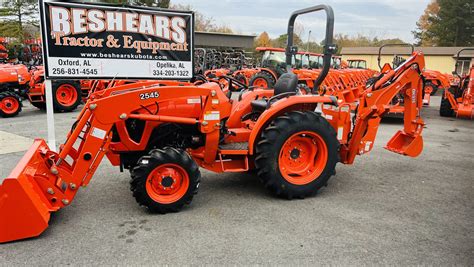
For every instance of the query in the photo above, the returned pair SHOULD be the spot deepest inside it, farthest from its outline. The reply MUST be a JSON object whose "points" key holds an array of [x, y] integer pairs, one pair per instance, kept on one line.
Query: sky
{"points": [[372, 18]]}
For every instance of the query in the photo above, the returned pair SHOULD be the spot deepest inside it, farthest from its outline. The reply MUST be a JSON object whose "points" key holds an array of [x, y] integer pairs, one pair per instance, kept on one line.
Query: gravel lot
{"points": [[384, 209]]}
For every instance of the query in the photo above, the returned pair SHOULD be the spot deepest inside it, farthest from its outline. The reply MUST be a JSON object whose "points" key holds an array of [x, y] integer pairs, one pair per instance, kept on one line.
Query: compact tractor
{"points": [[14, 84], [164, 134], [459, 99]]}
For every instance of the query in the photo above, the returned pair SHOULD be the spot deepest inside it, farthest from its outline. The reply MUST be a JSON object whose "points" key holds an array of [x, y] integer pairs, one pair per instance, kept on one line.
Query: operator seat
{"points": [[287, 83]]}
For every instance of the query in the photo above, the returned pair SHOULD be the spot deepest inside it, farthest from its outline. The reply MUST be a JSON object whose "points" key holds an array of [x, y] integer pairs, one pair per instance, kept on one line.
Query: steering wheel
{"points": [[231, 80], [199, 79]]}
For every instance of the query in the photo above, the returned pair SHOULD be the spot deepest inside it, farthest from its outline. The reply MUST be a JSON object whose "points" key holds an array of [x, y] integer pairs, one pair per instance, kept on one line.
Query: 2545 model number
{"points": [[146, 96]]}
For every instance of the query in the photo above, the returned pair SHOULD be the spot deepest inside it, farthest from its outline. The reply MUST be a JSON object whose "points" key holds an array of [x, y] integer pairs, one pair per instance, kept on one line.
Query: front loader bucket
{"points": [[24, 210], [405, 144]]}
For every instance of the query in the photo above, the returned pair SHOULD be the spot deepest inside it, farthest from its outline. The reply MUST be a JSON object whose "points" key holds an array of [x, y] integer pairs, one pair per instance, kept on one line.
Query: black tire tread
{"points": [[158, 157], [264, 75], [270, 144], [17, 97], [58, 107]]}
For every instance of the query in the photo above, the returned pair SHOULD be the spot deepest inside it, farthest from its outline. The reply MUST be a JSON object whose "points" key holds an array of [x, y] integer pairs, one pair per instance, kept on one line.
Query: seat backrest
{"points": [[287, 82]]}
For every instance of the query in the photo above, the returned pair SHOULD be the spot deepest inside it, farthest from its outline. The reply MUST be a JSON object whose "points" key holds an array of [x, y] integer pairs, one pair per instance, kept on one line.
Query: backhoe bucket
{"points": [[405, 144], [24, 209]]}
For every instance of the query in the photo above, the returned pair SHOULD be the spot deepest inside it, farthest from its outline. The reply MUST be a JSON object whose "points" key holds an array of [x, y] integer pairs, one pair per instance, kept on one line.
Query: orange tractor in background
{"points": [[14, 83], [163, 134], [3, 50], [459, 100], [67, 94], [357, 64], [17, 82]]}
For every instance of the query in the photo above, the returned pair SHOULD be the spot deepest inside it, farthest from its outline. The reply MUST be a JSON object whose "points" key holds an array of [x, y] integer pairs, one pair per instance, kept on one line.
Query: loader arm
{"points": [[375, 102], [45, 181]]}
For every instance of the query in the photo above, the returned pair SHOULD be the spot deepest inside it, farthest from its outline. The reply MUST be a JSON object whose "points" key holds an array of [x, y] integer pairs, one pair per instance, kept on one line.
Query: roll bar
{"points": [[329, 47], [379, 58], [457, 59]]}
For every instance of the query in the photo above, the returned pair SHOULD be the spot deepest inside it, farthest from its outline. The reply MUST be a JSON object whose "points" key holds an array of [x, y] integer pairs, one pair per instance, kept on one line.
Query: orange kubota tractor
{"points": [[459, 100], [163, 134], [14, 79]]}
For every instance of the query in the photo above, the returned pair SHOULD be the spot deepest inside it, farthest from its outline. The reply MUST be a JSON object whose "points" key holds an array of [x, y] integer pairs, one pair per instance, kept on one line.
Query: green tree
{"points": [[422, 36], [16, 15], [452, 25]]}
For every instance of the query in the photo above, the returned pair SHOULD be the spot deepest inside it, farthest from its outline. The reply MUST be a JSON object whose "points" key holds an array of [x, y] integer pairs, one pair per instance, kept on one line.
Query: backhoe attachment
{"points": [[375, 102]]}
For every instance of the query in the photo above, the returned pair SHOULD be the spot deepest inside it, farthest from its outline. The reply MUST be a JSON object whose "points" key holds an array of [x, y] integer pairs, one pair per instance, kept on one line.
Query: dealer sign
{"points": [[90, 41]]}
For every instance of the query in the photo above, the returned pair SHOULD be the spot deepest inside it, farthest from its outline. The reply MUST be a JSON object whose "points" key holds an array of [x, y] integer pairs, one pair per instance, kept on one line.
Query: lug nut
{"points": [[123, 116], [50, 191], [72, 186], [65, 202], [54, 171]]}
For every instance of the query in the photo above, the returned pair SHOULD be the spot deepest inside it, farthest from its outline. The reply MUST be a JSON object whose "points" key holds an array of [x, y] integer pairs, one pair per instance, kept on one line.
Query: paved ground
{"points": [[385, 209]]}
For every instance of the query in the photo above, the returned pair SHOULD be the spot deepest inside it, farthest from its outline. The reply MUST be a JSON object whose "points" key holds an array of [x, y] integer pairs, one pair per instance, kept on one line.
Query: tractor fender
{"points": [[282, 106]]}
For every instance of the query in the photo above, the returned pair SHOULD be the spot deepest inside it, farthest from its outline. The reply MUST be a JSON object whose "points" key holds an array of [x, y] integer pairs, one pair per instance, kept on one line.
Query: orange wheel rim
{"points": [[428, 89], [260, 82], [167, 183], [303, 158], [66, 95], [10, 105]]}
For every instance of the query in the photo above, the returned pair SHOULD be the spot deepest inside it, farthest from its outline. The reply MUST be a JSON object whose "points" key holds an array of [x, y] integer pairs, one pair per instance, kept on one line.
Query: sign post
{"points": [[50, 115], [98, 41]]}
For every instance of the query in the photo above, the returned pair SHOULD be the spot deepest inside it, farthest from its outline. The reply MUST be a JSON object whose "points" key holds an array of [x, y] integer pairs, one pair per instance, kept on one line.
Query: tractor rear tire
{"points": [[445, 109], [11, 103], [297, 154], [165, 180], [262, 79], [67, 95]]}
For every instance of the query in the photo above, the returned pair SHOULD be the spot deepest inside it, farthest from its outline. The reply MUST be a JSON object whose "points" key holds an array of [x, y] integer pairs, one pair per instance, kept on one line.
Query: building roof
{"points": [[429, 51], [220, 40]]}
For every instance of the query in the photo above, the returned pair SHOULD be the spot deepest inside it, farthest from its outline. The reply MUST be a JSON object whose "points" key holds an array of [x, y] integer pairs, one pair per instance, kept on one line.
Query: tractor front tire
{"points": [[67, 95], [434, 88], [262, 79], [10, 104], [241, 78], [445, 109], [165, 180], [297, 154]]}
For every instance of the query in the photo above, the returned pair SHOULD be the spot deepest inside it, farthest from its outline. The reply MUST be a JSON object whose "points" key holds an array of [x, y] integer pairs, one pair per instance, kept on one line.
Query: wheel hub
{"points": [[295, 153], [167, 181], [302, 158]]}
